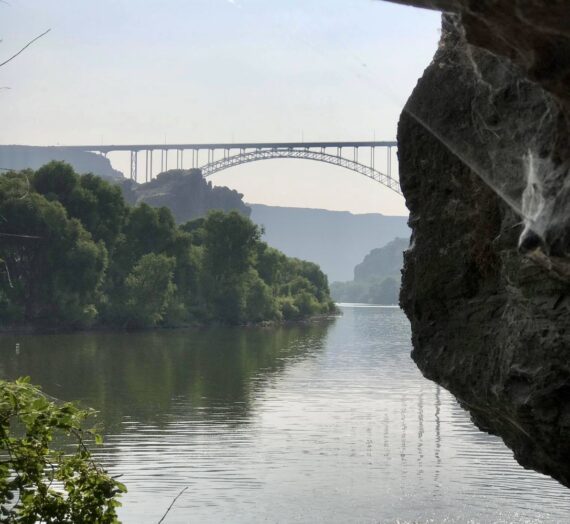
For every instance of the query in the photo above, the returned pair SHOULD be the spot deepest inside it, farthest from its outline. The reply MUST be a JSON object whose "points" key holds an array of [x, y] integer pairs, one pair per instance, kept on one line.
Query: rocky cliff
{"points": [[382, 262], [484, 165], [186, 193]]}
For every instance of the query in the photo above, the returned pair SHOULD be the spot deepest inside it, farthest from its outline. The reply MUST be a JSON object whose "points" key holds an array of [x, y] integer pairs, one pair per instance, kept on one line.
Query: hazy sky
{"points": [[142, 71]]}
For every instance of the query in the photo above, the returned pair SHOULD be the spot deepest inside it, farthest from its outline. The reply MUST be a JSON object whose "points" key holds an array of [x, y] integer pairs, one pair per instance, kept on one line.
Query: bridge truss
{"points": [[305, 154], [373, 159]]}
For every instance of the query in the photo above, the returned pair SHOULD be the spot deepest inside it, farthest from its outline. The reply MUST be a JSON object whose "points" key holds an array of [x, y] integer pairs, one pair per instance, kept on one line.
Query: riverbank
{"points": [[48, 330]]}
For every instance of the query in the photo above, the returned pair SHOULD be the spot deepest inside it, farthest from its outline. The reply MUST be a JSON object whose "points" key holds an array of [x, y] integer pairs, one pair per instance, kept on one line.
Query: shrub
{"points": [[149, 289], [39, 483]]}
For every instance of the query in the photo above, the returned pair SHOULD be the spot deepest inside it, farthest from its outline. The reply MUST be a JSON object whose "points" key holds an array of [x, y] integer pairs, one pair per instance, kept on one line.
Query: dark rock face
{"points": [[533, 34], [484, 156]]}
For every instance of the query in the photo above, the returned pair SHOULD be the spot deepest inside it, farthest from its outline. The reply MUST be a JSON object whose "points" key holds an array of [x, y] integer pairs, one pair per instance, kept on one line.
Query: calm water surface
{"points": [[330, 422]]}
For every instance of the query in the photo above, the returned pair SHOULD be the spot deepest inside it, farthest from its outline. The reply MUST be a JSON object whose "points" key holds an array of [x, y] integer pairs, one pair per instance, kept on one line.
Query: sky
{"points": [[192, 71]]}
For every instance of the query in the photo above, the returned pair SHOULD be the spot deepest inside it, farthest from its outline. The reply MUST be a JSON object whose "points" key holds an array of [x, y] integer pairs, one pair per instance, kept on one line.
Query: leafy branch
{"points": [[39, 483]]}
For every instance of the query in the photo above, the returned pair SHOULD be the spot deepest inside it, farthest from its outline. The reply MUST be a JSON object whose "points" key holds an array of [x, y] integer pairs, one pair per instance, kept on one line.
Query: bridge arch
{"points": [[255, 155]]}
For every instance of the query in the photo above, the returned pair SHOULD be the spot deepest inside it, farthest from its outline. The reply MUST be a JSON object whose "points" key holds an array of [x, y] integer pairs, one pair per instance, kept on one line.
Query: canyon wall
{"points": [[33, 157]]}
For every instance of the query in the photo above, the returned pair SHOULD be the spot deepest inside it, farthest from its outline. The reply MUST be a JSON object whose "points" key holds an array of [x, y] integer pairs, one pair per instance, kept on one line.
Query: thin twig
{"points": [[7, 273], [20, 236], [24, 48], [172, 504]]}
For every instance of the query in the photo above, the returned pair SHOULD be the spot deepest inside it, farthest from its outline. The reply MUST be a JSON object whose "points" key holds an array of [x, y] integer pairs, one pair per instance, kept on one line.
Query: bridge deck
{"points": [[227, 145]]}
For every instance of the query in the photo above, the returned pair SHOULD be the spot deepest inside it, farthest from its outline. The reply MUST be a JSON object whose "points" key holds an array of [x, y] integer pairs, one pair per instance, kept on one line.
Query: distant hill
{"points": [[383, 262], [376, 278], [336, 240], [34, 157], [186, 193]]}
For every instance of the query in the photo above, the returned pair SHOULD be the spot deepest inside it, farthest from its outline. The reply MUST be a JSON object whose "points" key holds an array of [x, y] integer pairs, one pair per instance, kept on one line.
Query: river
{"points": [[327, 422]]}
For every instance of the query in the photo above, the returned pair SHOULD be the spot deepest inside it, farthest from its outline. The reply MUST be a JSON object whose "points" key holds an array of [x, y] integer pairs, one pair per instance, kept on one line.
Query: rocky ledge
{"points": [[484, 165]]}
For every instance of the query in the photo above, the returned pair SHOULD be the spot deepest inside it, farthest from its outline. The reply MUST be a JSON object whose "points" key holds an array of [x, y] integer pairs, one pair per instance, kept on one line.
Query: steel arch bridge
{"points": [[245, 157], [373, 159]]}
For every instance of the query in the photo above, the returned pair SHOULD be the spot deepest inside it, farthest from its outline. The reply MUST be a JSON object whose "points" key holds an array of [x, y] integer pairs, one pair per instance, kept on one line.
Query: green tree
{"points": [[307, 304], [271, 264], [53, 267], [229, 247], [100, 208], [149, 230], [260, 303], [187, 274], [39, 483], [229, 243], [146, 230], [97, 204], [72, 253], [149, 290], [57, 181]]}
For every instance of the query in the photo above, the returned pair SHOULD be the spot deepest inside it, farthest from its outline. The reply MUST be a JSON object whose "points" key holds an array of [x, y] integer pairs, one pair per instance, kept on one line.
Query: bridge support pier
{"points": [[134, 165], [146, 166]]}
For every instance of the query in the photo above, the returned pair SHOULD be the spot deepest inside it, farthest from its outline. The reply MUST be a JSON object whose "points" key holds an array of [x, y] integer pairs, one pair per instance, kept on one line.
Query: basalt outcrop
{"points": [[484, 166]]}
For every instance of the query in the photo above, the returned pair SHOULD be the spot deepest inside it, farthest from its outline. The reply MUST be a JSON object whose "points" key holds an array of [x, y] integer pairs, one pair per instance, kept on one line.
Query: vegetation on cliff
{"points": [[74, 254], [376, 278], [186, 193]]}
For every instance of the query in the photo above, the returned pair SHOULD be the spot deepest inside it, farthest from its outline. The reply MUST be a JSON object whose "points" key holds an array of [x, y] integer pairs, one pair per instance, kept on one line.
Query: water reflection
{"points": [[322, 423], [146, 376]]}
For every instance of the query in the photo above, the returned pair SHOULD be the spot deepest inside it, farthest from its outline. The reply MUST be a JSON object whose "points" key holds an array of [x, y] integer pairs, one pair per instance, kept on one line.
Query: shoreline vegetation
{"points": [[376, 278], [105, 328], [75, 256]]}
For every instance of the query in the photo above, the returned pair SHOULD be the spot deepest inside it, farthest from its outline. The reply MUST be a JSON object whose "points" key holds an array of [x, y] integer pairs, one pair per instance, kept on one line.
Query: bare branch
{"points": [[24, 48], [19, 236], [172, 504], [7, 273]]}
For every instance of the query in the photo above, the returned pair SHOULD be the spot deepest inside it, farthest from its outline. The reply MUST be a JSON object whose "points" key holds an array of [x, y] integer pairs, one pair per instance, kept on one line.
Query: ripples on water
{"points": [[323, 423]]}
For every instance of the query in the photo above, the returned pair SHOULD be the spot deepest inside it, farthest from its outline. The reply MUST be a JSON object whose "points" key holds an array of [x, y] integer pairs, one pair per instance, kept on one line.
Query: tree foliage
{"points": [[40, 483], [74, 254], [149, 289], [373, 291], [54, 269], [376, 278]]}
